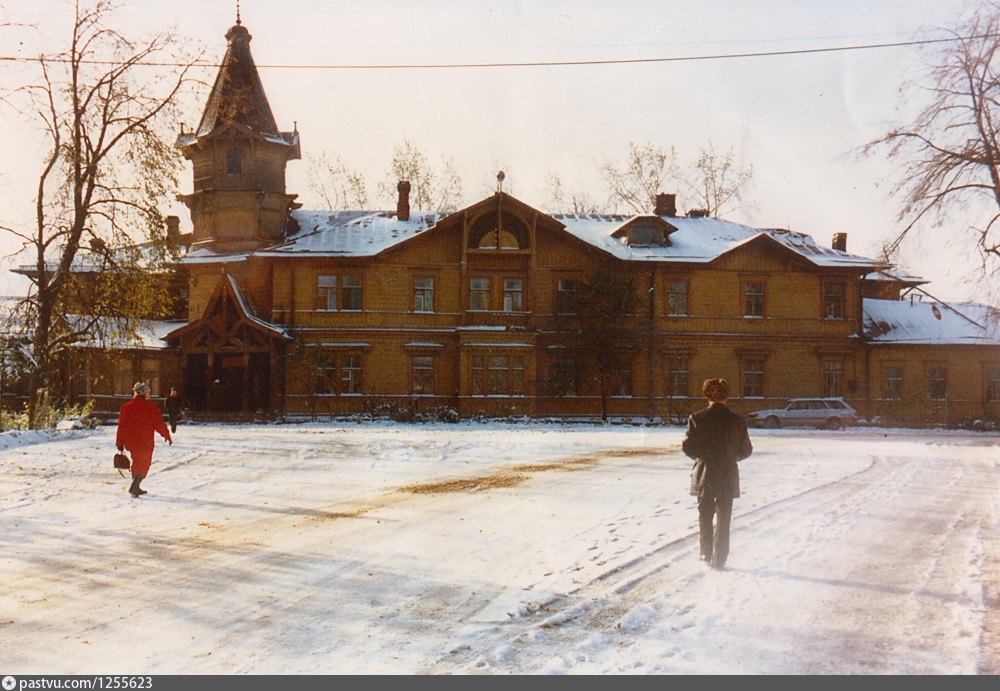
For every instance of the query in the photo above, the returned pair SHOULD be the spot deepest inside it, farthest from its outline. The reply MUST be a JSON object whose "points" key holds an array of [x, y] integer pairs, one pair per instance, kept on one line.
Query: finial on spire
{"points": [[238, 22]]}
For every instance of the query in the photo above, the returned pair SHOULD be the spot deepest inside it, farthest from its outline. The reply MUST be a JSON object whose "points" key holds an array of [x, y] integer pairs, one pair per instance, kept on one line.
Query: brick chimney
{"points": [[173, 232], [403, 202], [666, 205], [839, 242]]}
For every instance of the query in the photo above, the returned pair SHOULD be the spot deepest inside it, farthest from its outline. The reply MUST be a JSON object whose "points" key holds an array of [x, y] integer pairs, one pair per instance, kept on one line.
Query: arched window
{"points": [[509, 234], [234, 161]]}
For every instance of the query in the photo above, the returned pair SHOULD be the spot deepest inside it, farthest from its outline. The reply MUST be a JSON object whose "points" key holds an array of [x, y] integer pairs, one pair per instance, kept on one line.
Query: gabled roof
{"points": [[700, 240], [930, 322], [229, 289]]}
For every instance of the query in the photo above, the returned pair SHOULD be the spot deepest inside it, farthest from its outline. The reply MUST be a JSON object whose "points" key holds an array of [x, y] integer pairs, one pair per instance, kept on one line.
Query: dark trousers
{"points": [[715, 543]]}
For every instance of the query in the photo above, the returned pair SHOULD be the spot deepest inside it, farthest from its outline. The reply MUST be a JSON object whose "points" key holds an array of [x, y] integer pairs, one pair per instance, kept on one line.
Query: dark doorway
{"points": [[196, 381]]}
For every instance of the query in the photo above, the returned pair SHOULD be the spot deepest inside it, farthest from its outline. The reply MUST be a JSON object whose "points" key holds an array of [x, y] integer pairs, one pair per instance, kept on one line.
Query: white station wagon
{"points": [[827, 413]]}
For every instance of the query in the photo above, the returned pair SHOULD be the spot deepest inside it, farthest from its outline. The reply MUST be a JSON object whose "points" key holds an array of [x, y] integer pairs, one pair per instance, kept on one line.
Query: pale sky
{"points": [[797, 119]]}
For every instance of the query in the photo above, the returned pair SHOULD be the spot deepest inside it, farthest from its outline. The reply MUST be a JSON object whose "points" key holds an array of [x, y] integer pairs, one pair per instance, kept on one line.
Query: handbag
{"points": [[121, 462]]}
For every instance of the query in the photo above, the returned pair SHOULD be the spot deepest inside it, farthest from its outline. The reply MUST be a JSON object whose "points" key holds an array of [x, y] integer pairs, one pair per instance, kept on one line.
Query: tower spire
{"points": [[238, 22]]}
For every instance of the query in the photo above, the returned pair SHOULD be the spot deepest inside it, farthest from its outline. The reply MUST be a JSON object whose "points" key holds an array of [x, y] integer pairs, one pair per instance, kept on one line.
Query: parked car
{"points": [[828, 413]]}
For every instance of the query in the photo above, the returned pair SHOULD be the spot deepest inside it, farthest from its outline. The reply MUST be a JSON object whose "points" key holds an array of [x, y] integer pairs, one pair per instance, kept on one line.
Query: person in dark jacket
{"points": [[137, 421], [174, 405], [717, 439]]}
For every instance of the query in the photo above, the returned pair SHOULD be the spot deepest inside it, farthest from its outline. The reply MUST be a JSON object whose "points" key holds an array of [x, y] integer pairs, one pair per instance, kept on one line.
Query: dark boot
{"points": [[135, 490]]}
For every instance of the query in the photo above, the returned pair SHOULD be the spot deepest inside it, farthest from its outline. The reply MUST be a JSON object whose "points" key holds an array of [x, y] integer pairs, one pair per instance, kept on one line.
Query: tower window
{"points": [[234, 161]]}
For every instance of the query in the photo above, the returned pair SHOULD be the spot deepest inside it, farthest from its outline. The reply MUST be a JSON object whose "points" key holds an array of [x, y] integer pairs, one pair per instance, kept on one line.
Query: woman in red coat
{"points": [[137, 421]]}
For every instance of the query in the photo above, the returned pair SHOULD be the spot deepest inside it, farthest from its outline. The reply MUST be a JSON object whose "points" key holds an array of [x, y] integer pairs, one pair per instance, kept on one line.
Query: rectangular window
{"points": [[423, 374], [234, 161], [350, 374], [937, 383], [753, 378], [677, 298], [326, 293], [677, 377], [993, 385], [350, 293], [341, 375], [833, 300], [124, 378], [892, 383], [423, 294], [513, 295], [753, 299], [566, 297], [498, 375], [620, 382], [479, 293], [833, 378]]}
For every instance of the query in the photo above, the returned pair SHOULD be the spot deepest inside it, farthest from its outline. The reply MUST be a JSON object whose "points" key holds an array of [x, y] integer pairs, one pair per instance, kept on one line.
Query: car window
{"points": [[817, 405], [797, 405], [839, 405]]}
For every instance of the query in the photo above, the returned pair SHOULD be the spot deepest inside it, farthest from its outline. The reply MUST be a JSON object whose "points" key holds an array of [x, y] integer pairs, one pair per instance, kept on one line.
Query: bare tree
{"points": [[337, 185], [106, 171], [433, 189], [949, 155], [560, 202], [600, 328], [647, 171], [717, 184]]}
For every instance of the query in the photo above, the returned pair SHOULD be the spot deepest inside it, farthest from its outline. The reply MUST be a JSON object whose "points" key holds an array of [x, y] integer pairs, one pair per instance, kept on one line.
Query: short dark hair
{"points": [[715, 389]]}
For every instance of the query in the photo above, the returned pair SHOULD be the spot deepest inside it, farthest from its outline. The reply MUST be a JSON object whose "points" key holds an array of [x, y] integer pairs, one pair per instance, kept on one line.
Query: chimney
{"points": [[173, 232], [666, 205], [839, 242], [403, 203]]}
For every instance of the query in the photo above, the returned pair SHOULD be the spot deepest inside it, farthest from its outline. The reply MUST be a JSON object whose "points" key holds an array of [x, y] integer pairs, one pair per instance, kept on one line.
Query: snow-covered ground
{"points": [[487, 548]]}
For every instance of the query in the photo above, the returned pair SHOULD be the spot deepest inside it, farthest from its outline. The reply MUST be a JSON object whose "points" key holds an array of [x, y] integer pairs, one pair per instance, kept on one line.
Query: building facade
{"points": [[336, 312]]}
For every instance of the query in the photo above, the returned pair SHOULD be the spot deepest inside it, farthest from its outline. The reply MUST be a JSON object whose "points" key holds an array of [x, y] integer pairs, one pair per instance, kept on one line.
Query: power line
{"points": [[541, 63]]}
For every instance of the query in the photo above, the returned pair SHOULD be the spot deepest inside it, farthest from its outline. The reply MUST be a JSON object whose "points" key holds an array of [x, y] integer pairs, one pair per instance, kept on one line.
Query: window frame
{"points": [[423, 294], [892, 387], [498, 374], [751, 391], [678, 379], [992, 388], [937, 387], [833, 378], [671, 306], [422, 378], [834, 303], [754, 304]]}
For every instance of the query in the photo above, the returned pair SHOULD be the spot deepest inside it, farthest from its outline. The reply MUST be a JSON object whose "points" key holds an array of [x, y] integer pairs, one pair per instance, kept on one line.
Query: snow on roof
{"points": [[931, 322], [149, 335], [350, 233], [204, 255], [895, 276], [699, 240], [361, 233], [250, 313]]}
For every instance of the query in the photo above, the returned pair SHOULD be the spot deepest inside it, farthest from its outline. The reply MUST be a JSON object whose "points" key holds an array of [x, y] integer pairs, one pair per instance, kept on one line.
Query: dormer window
{"points": [[234, 161], [645, 236], [645, 231]]}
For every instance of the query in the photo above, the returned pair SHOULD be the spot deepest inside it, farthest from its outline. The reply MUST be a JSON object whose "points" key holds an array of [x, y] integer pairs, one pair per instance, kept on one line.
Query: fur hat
{"points": [[141, 388]]}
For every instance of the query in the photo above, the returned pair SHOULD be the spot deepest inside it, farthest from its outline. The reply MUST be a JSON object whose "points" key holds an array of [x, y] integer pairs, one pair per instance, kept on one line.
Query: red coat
{"points": [[137, 421]]}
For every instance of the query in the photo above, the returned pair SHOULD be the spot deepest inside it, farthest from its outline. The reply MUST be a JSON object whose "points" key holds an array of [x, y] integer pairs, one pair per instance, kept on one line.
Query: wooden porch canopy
{"points": [[228, 326]]}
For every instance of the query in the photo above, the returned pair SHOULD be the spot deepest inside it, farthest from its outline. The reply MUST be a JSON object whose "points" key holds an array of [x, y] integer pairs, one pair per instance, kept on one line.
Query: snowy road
{"points": [[382, 548]]}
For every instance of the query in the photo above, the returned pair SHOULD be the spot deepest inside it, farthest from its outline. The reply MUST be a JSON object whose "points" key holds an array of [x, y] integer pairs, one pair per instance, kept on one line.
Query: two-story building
{"points": [[293, 311]]}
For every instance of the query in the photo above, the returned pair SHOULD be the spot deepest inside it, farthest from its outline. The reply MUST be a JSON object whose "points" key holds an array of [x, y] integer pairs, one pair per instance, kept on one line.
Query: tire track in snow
{"points": [[633, 594]]}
